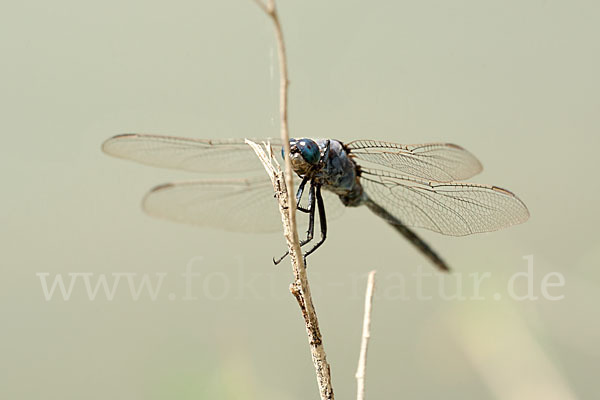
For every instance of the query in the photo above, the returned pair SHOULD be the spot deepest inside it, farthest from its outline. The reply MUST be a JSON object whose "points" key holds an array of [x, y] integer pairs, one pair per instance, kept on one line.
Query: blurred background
{"points": [[515, 82]]}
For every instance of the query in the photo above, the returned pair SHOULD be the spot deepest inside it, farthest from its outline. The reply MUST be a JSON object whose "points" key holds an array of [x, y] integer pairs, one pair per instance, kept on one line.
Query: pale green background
{"points": [[516, 82]]}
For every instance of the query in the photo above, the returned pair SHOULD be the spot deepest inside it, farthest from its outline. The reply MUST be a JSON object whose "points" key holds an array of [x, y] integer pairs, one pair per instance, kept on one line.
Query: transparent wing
{"points": [[454, 209], [195, 155], [238, 205], [440, 162]]}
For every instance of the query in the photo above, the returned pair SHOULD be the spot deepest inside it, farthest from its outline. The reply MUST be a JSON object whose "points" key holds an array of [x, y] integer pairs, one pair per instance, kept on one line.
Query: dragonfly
{"points": [[408, 186]]}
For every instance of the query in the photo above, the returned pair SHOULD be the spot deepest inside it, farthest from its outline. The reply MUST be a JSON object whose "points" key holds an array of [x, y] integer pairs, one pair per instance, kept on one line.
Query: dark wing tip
{"points": [[162, 186], [155, 189], [514, 196], [502, 190], [475, 160], [123, 135], [456, 146], [108, 142]]}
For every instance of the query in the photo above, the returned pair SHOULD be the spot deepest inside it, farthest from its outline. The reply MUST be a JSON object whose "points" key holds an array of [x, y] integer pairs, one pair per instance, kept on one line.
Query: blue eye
{"points": [[308, 148]]}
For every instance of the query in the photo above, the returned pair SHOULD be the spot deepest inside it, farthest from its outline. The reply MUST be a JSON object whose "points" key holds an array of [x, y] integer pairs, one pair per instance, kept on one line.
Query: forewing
{"points": [[441, 162], [238, 205], [454, 209], [195, 155]]}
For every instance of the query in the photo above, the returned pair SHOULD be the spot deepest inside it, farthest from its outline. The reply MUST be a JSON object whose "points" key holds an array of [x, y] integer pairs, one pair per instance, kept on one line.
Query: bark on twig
{"points": [[366, 335], [284, 189], [300, 287]]}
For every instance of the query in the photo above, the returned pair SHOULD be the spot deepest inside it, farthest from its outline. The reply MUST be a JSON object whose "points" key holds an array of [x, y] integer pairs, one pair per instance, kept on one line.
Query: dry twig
{"points": [[284, 190], [366, 335]]}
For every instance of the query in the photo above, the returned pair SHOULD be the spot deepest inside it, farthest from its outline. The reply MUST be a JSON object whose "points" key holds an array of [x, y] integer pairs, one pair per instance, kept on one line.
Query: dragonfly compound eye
{"points": [[310, 150]]}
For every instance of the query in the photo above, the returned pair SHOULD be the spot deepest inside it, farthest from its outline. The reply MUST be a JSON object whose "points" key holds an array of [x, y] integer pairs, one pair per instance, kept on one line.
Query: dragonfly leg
{"points": [[311, 223], [322, 223], [311, 217], [299, 196]]}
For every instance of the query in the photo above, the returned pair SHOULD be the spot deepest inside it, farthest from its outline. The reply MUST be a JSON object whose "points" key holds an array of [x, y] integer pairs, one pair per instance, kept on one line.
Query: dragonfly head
{"points": [[304, 153]]}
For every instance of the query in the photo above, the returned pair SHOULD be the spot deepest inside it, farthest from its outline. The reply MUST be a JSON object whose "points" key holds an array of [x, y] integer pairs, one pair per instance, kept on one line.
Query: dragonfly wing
{"points": [[237, 205], [195, 155], [454, 209], [441, 162]]}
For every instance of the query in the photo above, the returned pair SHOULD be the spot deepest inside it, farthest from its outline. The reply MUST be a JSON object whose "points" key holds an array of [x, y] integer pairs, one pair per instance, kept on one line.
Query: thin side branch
{"points": [[366, 335], [284, 189]]}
